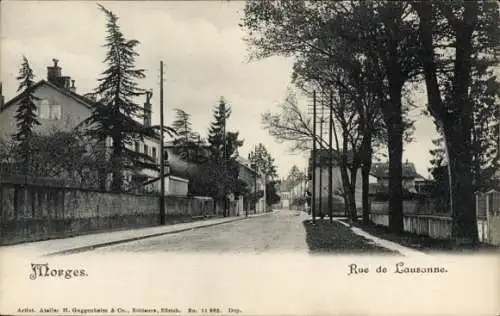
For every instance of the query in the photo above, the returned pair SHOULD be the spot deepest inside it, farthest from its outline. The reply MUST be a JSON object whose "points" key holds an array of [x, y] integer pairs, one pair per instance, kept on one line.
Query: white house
{"points": [[322, 181]]}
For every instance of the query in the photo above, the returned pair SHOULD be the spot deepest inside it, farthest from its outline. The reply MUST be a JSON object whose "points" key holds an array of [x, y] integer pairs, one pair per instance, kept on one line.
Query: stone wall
{"points": [[32, 212]]}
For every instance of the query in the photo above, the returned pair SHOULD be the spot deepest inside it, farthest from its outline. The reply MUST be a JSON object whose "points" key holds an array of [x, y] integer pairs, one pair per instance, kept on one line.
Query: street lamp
{"points": [[162, 152]]}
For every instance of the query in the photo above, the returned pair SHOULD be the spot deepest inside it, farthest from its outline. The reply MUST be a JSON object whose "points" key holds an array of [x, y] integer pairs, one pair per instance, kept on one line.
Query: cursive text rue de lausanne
{"points": [[398, 268]]}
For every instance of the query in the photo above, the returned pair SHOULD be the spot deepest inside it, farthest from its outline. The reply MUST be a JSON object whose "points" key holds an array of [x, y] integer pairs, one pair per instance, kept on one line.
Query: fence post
{"points": [[477, 217], [487, 202]]}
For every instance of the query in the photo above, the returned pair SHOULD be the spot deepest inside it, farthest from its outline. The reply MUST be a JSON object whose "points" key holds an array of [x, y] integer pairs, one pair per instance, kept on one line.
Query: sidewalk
{"points": [[405, 251], [374, 240], [91, 241]]}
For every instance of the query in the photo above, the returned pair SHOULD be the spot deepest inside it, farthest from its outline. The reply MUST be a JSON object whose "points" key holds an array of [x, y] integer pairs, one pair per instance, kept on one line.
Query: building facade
{"points": [[256, 183], [59, 106], [322, 179], [412, 181]]}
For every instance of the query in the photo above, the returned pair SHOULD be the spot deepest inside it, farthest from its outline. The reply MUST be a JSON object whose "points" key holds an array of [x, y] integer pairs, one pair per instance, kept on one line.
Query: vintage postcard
{"points": [[259, 157]]}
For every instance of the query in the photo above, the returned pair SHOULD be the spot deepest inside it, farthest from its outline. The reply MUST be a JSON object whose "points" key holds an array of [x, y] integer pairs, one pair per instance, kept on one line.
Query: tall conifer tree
{"points": [[26, 116], [187, 142], [262, 159], [222, 168], [115, 114]]}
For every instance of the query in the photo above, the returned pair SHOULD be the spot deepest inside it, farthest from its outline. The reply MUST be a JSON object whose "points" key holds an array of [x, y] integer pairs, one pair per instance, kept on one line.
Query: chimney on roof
{"points": [[66, 82], [147, 108], [73, 88], [55, 76], [54, 73]]}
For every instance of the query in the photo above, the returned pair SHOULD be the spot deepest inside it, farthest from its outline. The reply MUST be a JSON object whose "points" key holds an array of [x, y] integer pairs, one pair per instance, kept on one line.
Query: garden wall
{"points": [[31, 212]]}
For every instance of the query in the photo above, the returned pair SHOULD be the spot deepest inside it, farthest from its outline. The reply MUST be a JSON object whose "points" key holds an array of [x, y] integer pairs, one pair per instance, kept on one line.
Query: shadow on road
{"points": [[325, 237]]}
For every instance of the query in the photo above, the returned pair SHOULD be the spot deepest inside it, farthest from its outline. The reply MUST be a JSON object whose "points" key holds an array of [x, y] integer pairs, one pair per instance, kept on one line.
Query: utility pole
{"points": [[162, 152], [321, 159], [313, 163], [255, 186], [304, 186], [246, 206], [330, 161], [224, 156]]}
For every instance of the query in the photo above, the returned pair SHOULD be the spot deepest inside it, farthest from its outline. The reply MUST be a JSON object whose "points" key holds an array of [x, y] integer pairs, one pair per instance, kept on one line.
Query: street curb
{"points": [[115, 242]]}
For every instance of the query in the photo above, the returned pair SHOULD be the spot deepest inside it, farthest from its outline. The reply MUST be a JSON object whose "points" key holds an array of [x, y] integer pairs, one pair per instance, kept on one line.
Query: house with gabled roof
{"points": [[60, 107], [412, 180]]}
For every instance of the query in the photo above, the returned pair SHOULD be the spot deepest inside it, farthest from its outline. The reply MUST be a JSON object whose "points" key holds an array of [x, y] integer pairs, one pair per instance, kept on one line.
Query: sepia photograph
{"points": [[258, 157]]}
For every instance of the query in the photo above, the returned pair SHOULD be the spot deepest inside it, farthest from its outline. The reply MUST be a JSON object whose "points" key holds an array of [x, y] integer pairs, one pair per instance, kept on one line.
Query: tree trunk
{"points": [[27, 165], [395, 128], [101, 158], [366, 167], [345, 187], [117, 166], [393, 117], [464, 221], [458, 127], [353, 214], [464, 225], [456, 120], [395, 180], [365, 175]]}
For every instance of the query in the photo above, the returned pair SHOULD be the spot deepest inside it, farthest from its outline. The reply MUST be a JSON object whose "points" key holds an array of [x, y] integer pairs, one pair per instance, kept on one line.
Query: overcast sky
{"points": [[203, 51]]}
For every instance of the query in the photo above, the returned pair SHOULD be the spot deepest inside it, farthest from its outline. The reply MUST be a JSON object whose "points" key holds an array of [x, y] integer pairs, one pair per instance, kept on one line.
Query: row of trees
{"points": [[296, 179], [217, 157], [363, 59], [115, 114], [261, 160], [218, 174]]}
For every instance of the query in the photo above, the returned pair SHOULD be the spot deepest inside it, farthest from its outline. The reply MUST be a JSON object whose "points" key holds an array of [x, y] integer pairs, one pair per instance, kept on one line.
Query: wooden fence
{"points": [[439, 227]]}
